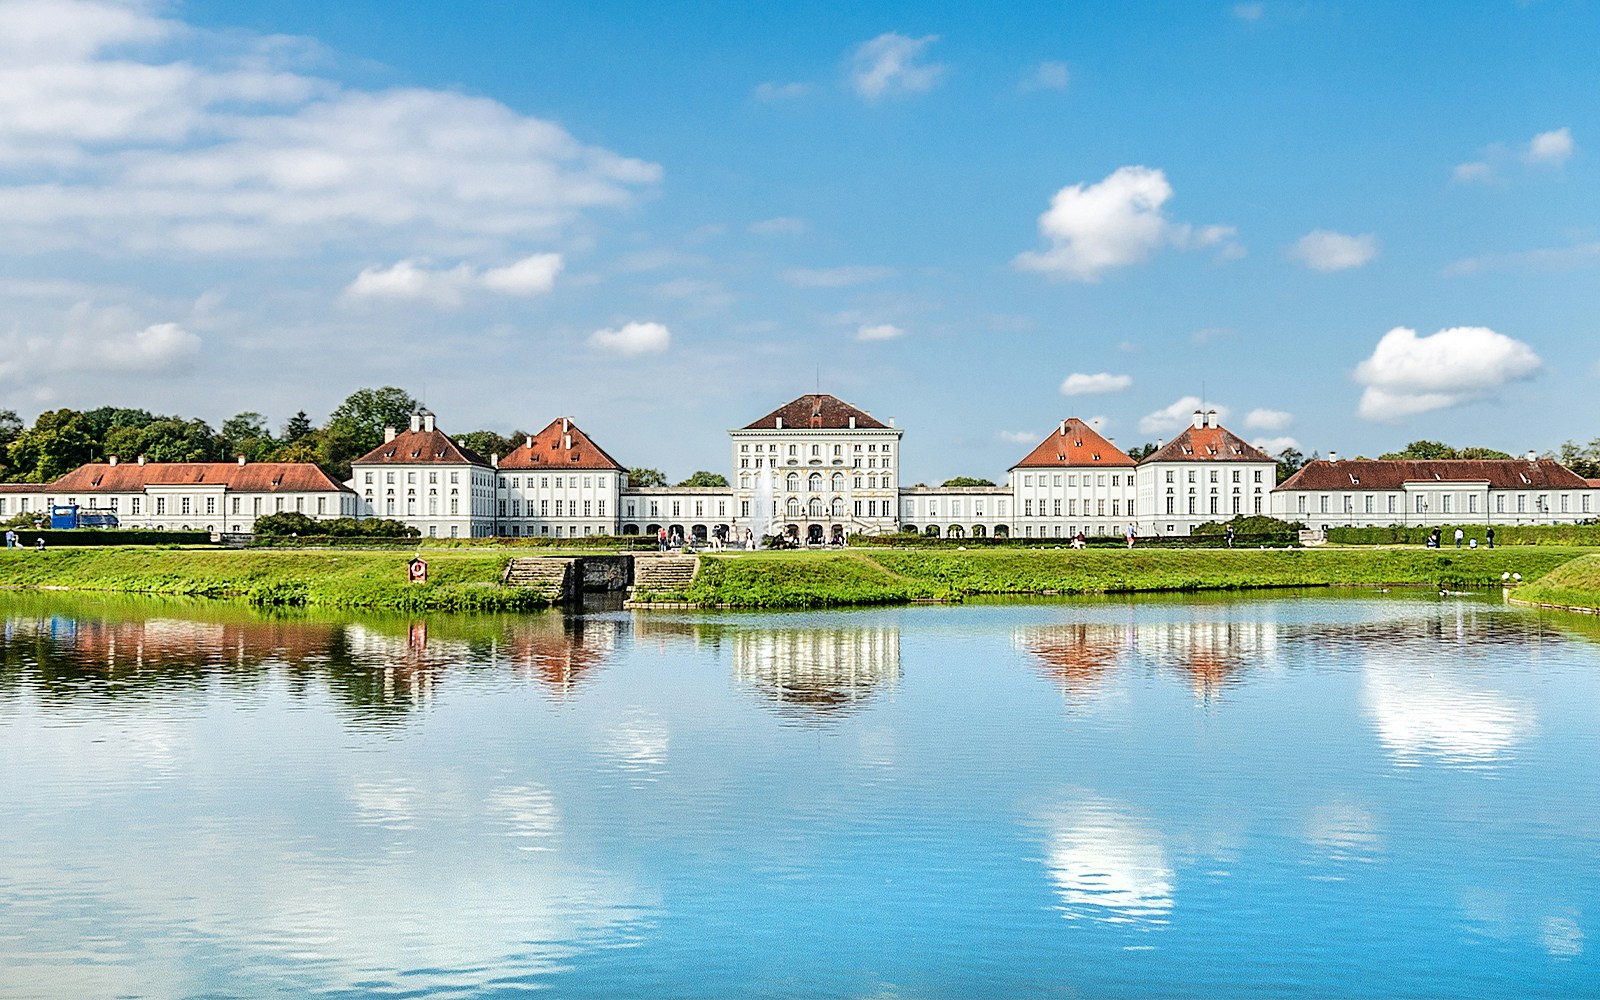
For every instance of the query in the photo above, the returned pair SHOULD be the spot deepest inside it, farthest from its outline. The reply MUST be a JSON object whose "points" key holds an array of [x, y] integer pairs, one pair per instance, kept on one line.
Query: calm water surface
{"points": [[1330, 795]]}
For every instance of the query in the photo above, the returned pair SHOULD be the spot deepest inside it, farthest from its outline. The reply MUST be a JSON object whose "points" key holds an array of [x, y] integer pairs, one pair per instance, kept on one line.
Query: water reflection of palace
{"points": [[818, 671], [377, 668], [1211, 655], [1078, 657]]}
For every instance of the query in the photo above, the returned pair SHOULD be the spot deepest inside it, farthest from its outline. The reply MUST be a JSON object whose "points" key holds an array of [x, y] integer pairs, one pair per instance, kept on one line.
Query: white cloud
{"points": [[1180, 414], [1248, 11], [773, 91], [1268, 420], [781, 226], [1477, 171], [1273, 445], [1407, 374], [835, 277], [633, 339], [409, 280], [1018, 437], [1083, 384], [1551, 148], [231, 152], [1113, 223], [1324, 250], [96, 339], [1047, 76], [879, 331], [888, 65], [1543, 259]]}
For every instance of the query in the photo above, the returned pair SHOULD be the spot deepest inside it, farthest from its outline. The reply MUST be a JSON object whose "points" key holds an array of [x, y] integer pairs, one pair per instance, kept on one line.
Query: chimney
{"points": [[416, 422], [852, 423], [1333, 456], [494, 459], [1111, 441], [564, 425], [1532, 455], [112, 460], [529, 442], [427, 421], [1159, 443], [141, 459], [1199, 418], [1062, 429], [1211, 418], [566, 441], [388, 434], [241, 459], [891, 421], [779, 425]]}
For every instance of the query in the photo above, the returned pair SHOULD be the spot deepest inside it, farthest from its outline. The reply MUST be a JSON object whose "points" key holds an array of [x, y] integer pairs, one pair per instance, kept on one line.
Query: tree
{"points": [[167, 439], [702, 478], [104, 419], [57, 443], [967, 481], [1483, 453], [287, 522], [10, 427], [646, 477], [247, 434], [1140, 452], [298, 427], [487, 443], [1290, 461], [365, 413], [1585, 461], [1420, 451]]}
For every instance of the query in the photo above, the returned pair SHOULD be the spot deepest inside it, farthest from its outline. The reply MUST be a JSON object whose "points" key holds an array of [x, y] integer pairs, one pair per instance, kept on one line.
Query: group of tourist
{"points": [[1435, 539]]}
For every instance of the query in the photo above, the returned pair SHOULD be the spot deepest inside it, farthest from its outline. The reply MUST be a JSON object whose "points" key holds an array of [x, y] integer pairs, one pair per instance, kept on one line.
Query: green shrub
{"points": [[1510, 534], [29, 537]]}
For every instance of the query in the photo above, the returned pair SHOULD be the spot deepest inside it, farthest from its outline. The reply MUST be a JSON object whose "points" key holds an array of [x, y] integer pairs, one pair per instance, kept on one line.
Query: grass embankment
{"points": [[1575, 584], [819, 580], [457, 581]]}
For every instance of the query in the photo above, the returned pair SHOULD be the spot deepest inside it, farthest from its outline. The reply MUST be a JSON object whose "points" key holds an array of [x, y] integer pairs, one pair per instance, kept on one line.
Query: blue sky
{"points": [[664, 220]]}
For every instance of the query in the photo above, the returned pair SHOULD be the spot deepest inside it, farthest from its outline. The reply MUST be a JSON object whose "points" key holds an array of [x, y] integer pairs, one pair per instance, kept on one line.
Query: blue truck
{"points": [[72, 516]]}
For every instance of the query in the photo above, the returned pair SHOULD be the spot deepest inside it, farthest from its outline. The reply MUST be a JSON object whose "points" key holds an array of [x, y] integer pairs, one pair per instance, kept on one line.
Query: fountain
{"points": [[761, 507]]}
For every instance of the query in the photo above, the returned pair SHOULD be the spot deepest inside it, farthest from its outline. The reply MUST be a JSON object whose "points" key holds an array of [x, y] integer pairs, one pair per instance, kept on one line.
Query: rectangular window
{"points": [[1214, 503], [1300, 504], [211, 505], [586, 508], [1472, 503], [300, 505], [1100, 508], [1444, 503], [1172, 503], [502, 508], [602, 508], [1419, 503], [161, 506], [559, 508], [455, 508], [236, 505], [1522, 503], [1056, 506], [1236, 501], [1366, 503], [1349, 504], [183, 505], [1116, 508], [138, 502], [1394, 503], [1027, 508], [277, 504], [1322, 505]]}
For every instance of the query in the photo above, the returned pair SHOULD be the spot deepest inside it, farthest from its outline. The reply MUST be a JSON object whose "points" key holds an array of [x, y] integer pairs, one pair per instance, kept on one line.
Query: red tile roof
{"points": [[817, 411], [1208, 444], [1377, 474], [252, 477], [560, 446], [415, 447], [22, 487], [1075, 443]]}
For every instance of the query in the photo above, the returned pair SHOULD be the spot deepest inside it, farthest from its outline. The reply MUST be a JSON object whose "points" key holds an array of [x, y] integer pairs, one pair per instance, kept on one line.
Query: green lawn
{"points": [[1575, 584]]}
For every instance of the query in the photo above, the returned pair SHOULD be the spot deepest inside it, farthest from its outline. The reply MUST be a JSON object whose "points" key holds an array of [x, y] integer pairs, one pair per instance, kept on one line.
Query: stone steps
{"points": [[664, 573], [538, 573]]}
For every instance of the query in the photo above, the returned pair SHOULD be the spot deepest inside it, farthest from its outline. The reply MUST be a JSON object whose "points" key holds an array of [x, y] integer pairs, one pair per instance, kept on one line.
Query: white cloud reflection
{"points": [[1423, 715], [1108, 864]]}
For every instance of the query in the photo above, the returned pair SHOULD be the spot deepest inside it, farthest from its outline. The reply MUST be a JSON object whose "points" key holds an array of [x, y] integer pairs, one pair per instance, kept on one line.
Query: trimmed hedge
{"points": [[29, 537], [1241, 541], [1507, 534]]}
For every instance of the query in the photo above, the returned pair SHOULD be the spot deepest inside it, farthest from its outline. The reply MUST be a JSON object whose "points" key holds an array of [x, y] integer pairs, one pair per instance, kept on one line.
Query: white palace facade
{"points": [[831, 470]]}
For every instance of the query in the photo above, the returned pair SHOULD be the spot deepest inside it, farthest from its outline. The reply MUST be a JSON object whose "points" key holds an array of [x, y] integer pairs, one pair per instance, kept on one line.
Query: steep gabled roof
{"points": [[560, 446], [252, 477], [1379, 474], [421, 446], [1208, 444], [1075, 444], [818, 410]]}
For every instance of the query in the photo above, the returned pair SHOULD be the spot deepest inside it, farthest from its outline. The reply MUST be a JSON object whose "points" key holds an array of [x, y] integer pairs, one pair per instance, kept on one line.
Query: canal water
{"points": [[1362, 795]]}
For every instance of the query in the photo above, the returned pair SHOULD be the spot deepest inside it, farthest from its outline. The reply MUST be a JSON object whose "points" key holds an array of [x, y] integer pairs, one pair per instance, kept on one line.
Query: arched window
{"points": [[838, 507], [816, 509], [838, 482], [814, 482], [793, 508], [744, 481], [792, 484]]}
